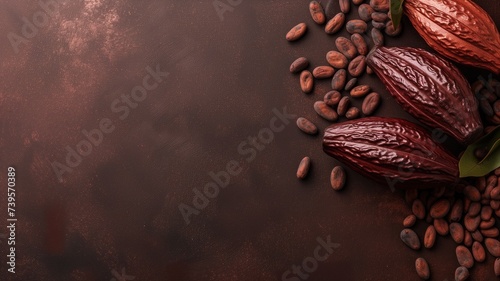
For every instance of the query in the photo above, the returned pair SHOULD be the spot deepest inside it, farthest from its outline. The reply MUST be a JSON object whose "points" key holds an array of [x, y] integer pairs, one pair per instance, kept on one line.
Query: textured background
{"points": [[119, 208]]}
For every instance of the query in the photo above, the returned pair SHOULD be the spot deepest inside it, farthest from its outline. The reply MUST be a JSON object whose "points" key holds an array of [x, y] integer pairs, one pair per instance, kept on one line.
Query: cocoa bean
{"points": [[322, 72], [495, 193], [422, 268], [360, 91], [343, 106], [390, 31], [471, 223], [323, 110], [352, 113], [477, 236], [487, 223], [429, 237], [317, 12], [332, 98], [461, 273], [495, 204], [336, 59], [299, 64], [369, 70], [377, 37], [464, 256], [410, 238], [491, 232], [339, 80], [472, 193], [303, 168], [457, 232], [330, 8], [335, 24], [496, 267], [350, 84], [357, 66], [418, 208], [306, 81], [338, 178], [493, 246], [296, 32], [378, 16], [365, 12], [345, 6], [474, 209], [496, 107], [478, 252], [409, 221], [486, 213], [346, 47], [378, 24], [468, 239], [380, 5], [370, 103], [441, 227], [440, 208], [356, 26], [360, 44], [357, 2], [306, 126]]}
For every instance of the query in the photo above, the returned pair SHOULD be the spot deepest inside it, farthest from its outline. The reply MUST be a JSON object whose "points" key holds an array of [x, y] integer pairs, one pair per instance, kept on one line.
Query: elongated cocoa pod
{"points": [[390, 148], [430, 88], [457, 29]]}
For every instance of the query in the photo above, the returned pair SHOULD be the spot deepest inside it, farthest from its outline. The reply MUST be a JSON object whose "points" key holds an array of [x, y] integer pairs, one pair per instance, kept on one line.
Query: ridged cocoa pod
{"points": [[430, 88], [457, 29], [390, 149]]}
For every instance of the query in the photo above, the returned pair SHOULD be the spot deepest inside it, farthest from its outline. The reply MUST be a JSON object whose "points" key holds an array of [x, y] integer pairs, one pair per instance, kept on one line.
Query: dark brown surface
{"points": [[119, 207]]}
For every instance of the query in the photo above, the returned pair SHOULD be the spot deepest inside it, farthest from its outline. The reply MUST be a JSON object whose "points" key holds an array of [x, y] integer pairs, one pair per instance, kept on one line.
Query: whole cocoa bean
{"points": [[306, 126], [332, 98], [472, 193], [317, 13], [471, 223], [296, 32], [350, 84], [410, 221], [474, 209], [491, 232], [478, 252], [335, 24], [360, 91], [410, 238], [330, 8], [360, 44], [495, 204], [378, 24], [323, 110], [299, 64], [338, 178], [441, 227], [378, 16], [343, 106], [496, 107], [439, 192], [336, 59], [464, 256], [306, 81], [352, 113], [345, 6], [303, 168], [495, 193], [356, 26], [346, 47], [461, 273], [357, 66], [380, 5], [365, 12], [496, 267], [457, 210], [493, 246], [440, 208], [457, 232], [370, 103], [468, 239], [323, 71], [429, 237], [377, 37], [422, 268], [339, 80], [467, 203], [418, 207], [357, 2], [486, 212], [487, 224], [477, 236], [390, 31]]}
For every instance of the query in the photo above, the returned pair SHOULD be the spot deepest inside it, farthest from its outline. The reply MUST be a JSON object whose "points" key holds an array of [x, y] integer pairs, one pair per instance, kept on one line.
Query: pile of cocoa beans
{"points": [[468, 213]]}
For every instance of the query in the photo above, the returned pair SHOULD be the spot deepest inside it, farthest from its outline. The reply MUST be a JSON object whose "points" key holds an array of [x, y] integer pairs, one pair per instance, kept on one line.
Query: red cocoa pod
{"points": [[386, 148], [457, 29], [425, 84]]}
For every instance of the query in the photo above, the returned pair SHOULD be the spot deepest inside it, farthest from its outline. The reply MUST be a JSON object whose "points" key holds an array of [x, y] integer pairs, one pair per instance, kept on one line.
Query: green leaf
{"points": [[396, 10], [470, 166]]}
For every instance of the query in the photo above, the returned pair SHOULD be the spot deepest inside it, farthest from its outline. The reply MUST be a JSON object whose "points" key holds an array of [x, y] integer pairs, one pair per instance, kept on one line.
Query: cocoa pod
{"points": [[317, 13], [385, 148], [425, 84], [457, 29]]}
